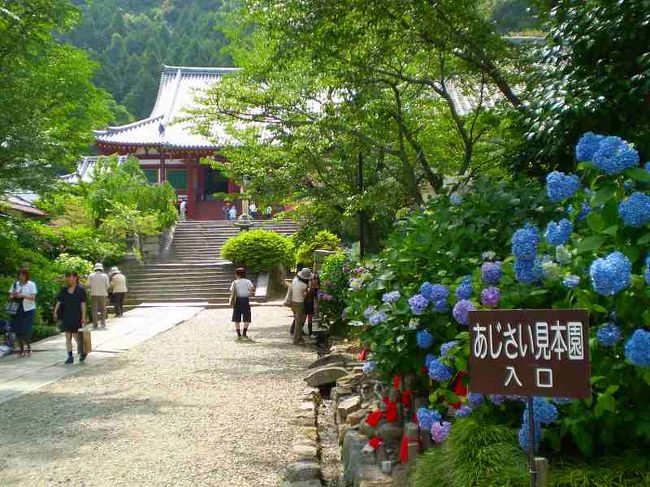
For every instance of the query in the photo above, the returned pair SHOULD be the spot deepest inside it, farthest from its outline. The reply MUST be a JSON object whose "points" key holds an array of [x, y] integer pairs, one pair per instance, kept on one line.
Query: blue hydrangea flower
{"points": [[587, 146], [558, 233], [608, 334], [528, 271], [426, 418], [418, 304], [525, 242], [635, 210], [524, 435], [424, 339], [445, 347], [434, 292], [497, 399], [377, 318], [610, 274], [551, 270], [646, 274], [391, 297], [560, 186], [543, 411], [491, 272], [456, 199], [614, 155], [585, 209], [464, 289], [463, 411], [490, 296], [571, 281], [637, 348], [461, 311], [475, 399], [647, 166], [369, 311], [440, 431], [369, 367], [441, 306], [439, 371]]}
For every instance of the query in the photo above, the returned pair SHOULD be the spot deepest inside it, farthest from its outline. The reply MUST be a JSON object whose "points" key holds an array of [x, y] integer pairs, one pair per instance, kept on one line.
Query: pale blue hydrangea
{"points": [[456, 199], [525, 242], [418, 304], [475, 399], [355, 284], [524, 435], [378, 318], [637, 348], [440, 431], [560, 186], [528, 271], [551, 270], [369, 311], [461, 311], [391, 297], [434, 292], [446, 347], [463, 411], [543, 411], [464, 289], [610, 274], [587, 146], [558, 233], [489, 255], [490, 296], [635, 210], [614, 155], [491, 272], [424, 339], [608, 334], [369, 367], [571, 281], [439, 371]]}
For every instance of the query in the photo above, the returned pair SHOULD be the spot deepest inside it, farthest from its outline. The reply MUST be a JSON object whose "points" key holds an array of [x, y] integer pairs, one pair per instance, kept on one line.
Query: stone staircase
{"points": [[194, 270]]}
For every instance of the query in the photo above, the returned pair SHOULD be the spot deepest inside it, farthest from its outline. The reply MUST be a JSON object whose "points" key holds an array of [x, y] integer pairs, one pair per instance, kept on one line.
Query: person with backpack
{"points": [[241, 290], [70, 311], [22, 308]]}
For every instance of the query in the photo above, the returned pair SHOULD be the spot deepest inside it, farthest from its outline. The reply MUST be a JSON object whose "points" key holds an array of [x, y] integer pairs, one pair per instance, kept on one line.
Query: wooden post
{"points": [[541, 465]]}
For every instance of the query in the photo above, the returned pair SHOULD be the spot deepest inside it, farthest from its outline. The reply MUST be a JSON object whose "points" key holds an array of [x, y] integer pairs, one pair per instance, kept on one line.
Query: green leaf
{"points": [[645, 239], [606, 402], [596, 222], [590, 244], [603, 195], [638, 174]]}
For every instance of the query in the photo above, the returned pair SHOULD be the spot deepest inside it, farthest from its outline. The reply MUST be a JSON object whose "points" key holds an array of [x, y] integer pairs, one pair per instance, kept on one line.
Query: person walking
{"points": [[232, 213], [23, 293], [252, 210], [98, 286], [269, 212], [299, 287], [241, 290], [182, 209], [226, 211], [70, 312], [310, 302], [118, 289]]}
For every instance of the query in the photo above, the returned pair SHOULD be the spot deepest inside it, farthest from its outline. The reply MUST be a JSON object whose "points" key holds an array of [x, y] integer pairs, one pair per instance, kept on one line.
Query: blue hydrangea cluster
{"points": [[637, 348], [585, 209], [558, 233], [475, 399], [497, 399], [610, 274], [441, 306], [524, 435], [608, 334], [491, 272], [369, 367], [646, 273], [391, 297], [434, 292], [544, 412], [464, 289], [490, 296], [525, 242], [369, 311], [635, 210], [560, 186], [440, 431], [528, 271], [456, 199], [418, 304], [438, 371], [445, 347], [426, 418], [571, 281], [587, 146], [463, 411], [378, 318], [614, 156], [424, 339], [461, 311]]}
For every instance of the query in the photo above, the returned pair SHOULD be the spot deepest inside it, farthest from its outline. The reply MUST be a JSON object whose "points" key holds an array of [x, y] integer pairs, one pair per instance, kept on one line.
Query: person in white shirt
{"points": [[98, 286], [232, 213], [252, 209], [23, 294], [241, 290], [299, 287], [182, 209]]}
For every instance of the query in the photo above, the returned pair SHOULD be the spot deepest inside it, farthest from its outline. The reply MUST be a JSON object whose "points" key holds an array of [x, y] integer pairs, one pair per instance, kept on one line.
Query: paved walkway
{"points": [[188, 407]]}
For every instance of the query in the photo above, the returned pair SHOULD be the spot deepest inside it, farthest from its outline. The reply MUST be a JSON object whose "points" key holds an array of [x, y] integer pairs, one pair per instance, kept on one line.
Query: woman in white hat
{"points": [[118, 290], [299, 287]]}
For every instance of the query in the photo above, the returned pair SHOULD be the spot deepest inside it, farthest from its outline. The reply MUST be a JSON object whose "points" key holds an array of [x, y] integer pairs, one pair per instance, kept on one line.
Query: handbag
{"points": [[233, 297], [85, 342], [13, 305], [288, 299]]}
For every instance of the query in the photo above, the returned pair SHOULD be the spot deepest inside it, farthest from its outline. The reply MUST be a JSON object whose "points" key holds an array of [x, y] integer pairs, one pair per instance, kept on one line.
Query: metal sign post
{"points": [[528, 353]]}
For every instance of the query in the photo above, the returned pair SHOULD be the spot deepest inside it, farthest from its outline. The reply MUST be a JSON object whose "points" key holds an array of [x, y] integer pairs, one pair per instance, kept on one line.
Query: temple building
{"points": [[169, 150]]}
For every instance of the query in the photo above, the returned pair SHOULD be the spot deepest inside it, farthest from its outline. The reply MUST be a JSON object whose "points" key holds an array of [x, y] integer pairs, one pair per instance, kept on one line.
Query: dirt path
{"points": [[188, 407]]}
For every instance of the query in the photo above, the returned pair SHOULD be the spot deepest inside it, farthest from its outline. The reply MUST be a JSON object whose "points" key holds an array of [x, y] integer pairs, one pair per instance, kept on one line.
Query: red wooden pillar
{"points": [[191, 187]]}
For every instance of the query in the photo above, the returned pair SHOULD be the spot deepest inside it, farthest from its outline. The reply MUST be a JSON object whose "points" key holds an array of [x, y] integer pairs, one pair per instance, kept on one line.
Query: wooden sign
{"points": [[530, 352]]}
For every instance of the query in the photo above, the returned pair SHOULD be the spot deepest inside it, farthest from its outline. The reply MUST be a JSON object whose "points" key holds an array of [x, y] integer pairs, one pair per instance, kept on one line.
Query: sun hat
{"points": [[99, 266], [114, 270], [305, 273]]}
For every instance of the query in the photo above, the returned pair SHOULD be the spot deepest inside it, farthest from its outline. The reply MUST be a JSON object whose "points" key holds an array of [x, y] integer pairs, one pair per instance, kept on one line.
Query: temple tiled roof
{"points": [[86, 169], [179, 87]]}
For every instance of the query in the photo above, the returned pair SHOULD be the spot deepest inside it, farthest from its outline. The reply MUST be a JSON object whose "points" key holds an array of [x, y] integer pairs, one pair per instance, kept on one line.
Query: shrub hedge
{"points": [[259, 250]]}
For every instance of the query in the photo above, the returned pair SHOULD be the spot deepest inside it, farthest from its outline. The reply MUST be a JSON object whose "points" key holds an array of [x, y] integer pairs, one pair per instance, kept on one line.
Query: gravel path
{"points": [[189, 407]]}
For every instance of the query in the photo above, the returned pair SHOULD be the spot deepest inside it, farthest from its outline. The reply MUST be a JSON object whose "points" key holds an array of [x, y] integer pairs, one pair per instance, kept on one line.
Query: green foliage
{"points": [[334, 286], [474, 454], [65, 263], [629, 470], [323, 240], [259, 250]]}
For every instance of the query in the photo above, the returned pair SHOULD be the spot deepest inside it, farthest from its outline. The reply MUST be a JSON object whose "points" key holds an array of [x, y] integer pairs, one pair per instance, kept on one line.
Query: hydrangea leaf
{"points": [[596, 222], [638, 174], [590, 244], [603, 195], [605, 402], [644, 239]]}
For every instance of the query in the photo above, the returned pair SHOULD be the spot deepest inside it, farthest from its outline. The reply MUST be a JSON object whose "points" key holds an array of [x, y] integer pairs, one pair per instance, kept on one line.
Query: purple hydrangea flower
{"points": [[426, 418], [378, 318], [571, 281], [611, 274], [424, 339], [391, 297], [497, 399], [440, 431], [637, 348], [635, 210], [608, 334], [463, 411], [439, 371], [464, 289], [558, 233], [418, 304], [587, 146], [491, 272], [560, 186], [441, 306], [614, 155], [461, 311], [446, 347], [490, 296], [525, 242], [369, 311], [475, 399]]}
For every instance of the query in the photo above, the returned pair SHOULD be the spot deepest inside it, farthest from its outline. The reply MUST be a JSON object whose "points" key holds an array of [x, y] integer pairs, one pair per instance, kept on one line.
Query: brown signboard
{"points": [[530, 352]]}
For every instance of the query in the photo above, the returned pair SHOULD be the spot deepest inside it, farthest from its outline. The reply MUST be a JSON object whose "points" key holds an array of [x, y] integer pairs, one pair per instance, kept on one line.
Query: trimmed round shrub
{"points": [[323, 240], [259, 250]]}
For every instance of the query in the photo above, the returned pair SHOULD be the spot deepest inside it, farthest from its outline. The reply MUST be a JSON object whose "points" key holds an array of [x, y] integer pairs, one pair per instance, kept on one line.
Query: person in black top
{"points": [[70, 310]]}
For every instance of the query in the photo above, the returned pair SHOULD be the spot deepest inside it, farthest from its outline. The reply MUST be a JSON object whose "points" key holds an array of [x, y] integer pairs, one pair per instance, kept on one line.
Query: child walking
{"points": [[241, 290]]}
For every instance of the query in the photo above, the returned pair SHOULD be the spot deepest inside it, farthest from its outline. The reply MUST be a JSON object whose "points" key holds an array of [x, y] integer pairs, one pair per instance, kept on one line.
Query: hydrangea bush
{"points": [[586, 246]]}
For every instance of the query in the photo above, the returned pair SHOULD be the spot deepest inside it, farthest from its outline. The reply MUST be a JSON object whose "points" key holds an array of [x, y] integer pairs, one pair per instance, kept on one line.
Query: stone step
{"points": [[143, 296]]}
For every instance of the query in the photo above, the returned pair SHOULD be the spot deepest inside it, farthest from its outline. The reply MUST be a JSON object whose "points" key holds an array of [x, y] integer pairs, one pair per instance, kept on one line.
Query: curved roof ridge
{"points": [[131, 125]]}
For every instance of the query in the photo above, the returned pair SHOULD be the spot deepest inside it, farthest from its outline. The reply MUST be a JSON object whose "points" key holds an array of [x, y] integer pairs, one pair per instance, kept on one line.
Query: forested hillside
{"points": [[131, 39]]}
